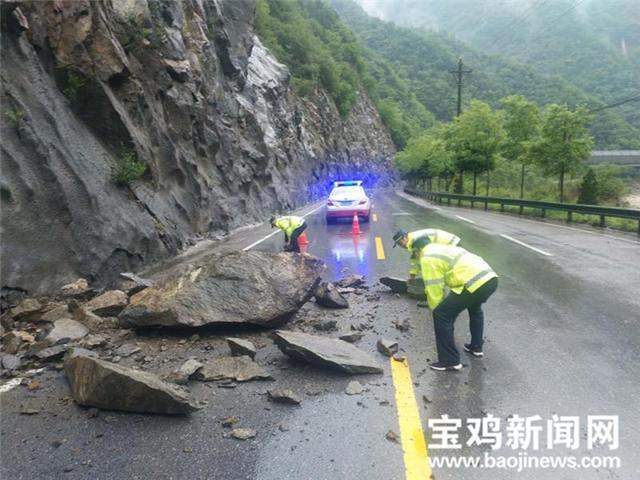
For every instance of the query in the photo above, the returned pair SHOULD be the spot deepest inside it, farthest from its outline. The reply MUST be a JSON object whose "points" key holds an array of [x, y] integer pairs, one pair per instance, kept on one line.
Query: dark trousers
{"points": [[293, 241], [445, 314]]}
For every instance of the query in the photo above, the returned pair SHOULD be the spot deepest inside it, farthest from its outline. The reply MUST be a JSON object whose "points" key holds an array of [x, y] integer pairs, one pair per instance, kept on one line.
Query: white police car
{"points": [[347, 199]]}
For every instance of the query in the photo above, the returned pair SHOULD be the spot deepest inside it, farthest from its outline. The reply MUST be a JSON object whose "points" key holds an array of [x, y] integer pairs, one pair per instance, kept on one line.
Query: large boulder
{"points": [[326, 352], [252, 287], [101, 384]]}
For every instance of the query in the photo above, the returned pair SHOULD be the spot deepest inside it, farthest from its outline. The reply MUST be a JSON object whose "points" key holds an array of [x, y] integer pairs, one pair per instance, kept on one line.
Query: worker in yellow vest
{"points": [[471, 281], [415, 242], [292, 226]]}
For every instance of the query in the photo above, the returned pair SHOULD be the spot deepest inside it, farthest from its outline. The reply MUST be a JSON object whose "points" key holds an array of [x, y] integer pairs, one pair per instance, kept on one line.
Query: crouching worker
{"points": [[416, 241], [292, 226], [471, 282]]}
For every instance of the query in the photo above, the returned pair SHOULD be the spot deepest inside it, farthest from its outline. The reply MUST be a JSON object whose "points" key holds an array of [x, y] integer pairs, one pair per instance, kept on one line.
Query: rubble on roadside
{"points": [[327, 295]]}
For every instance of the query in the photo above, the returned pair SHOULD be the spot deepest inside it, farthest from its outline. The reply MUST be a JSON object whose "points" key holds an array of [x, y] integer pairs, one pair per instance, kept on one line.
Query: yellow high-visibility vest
{"points": [[453, 267], [288, 224], [435, 236]]}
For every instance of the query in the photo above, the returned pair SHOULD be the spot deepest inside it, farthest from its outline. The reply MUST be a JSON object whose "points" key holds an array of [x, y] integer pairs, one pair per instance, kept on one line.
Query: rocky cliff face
{"points": [[187, 89]]}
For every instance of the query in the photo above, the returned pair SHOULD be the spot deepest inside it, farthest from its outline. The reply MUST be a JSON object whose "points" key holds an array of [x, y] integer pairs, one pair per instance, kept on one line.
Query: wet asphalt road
{"points": [[562, 338]]}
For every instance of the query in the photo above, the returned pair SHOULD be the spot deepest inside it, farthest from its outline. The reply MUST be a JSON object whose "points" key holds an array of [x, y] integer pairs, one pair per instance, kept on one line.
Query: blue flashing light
{"points": [[347, 183]]}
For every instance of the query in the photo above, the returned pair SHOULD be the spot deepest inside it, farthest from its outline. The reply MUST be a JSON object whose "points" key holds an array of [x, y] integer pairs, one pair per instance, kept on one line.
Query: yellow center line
{"points": [[379, 249], [414, 445], [374, 217]]}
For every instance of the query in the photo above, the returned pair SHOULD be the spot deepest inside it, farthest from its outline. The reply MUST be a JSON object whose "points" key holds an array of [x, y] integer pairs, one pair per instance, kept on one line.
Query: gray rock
{"points": [[10, 362], [402, 325], [185, 372], [326, 352], [132, 283], [79, 290], [57, 313], [284, 395], [351, 281], [94, 340], [325, 326], [80, 352], [240, 347], [66, 330], [126, 350], [27, 309], [327, 295], [352, 337], [354, 388], [101, 384], [108, 304], [239, 287], [240, 369], [387, 347], [52, 353]]}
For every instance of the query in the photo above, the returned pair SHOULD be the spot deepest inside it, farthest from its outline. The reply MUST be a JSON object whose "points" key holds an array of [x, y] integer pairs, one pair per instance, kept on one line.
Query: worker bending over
{"points": [[471, 282], [416, 241], [292, 226]]}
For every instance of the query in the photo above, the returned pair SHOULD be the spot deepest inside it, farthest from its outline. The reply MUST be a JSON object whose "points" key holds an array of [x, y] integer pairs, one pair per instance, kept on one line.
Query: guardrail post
{"points": [[449, 201], [602, 223], [569, 216], [502, 207], [638, 227], [520, 210], [542, 213], [472, 202], [486, 205], [459, 202]]}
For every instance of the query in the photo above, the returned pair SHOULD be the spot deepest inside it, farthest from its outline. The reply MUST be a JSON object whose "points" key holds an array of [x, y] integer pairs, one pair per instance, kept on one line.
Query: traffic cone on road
{"points": [[302, 239], [355, 226]]}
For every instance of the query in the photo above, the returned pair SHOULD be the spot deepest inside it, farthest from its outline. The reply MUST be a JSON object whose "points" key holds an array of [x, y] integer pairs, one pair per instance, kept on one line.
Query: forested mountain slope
{"points": [[593, 45]]}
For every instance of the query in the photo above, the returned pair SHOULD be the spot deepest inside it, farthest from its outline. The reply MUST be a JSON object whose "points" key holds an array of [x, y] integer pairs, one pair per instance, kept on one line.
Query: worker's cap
{"points": [[400, 234]]}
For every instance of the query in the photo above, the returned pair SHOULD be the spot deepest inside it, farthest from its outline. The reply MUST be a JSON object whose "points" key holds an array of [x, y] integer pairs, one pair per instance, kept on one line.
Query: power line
{"points": [[616, 104]]}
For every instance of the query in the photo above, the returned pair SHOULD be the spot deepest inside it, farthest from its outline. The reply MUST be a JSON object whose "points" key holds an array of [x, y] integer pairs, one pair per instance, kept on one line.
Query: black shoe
{"points": [[475, 351], [443, 367]]}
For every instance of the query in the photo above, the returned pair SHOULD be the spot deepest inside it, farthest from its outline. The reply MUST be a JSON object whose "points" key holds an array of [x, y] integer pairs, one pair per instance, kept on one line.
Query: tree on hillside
{"points": [[564, 142], [424, 158], [475, 140], [522, 127]]}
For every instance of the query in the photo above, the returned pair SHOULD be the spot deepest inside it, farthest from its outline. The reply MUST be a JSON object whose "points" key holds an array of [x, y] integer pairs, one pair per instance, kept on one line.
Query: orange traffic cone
{"points": [[302, 239], [355, 226]]}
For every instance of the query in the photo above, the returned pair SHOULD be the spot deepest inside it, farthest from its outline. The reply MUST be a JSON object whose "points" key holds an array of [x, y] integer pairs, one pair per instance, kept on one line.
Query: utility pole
{"points": [[460, 72]]}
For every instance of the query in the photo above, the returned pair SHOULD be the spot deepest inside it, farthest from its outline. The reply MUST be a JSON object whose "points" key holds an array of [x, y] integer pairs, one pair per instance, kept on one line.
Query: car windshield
{"points": [[353, 192]]}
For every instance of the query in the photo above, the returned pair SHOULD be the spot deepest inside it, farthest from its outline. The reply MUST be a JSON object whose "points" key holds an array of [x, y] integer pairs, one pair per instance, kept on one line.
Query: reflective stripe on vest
{"points": [[477, 277]]}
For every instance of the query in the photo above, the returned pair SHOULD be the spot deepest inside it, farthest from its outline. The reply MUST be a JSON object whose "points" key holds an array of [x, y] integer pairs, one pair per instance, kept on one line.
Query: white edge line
{"points": [[526, 245], [466, 219], [258, 242], [418, 201]]}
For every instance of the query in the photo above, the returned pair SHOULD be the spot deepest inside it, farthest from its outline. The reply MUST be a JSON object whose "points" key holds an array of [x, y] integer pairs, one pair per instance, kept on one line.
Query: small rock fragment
{"points": [[243, 433], [387, 347], [327, 295], [325, 326], [108, 304], [284, 395], [228, 422], [26, 309], [241, 369], [79, 289], [402, 325], [185, 372], [352, 337], [239, 347], [354, 388], [52, 353], [132, 283], [391, 436], [352, 280], [126, 350], [66, 330]]}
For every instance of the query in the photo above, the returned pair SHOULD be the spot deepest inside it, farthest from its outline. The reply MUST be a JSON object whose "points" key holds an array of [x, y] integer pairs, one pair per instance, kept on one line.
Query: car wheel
{"points": [[365, 218], [329, 220]]}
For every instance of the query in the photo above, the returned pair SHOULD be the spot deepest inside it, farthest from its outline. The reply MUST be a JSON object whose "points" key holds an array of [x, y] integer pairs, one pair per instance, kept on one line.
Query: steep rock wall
{"points": [[189, 88]]}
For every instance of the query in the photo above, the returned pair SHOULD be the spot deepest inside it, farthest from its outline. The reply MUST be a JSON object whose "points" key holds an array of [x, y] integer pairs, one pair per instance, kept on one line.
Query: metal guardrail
{"points": [[602, 212]]}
